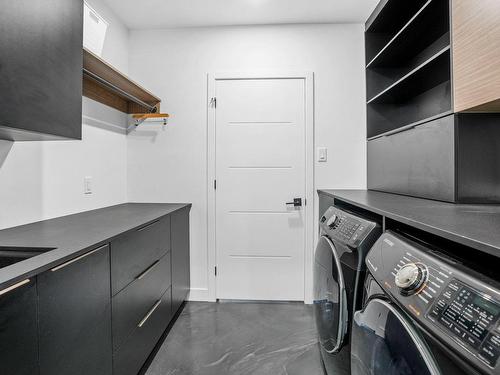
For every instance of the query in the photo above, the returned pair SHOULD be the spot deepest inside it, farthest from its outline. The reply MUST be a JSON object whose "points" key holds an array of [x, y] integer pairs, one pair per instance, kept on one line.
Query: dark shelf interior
{"points": [[389, 17], [408, 81], [379, 79], [395, 112], [423, 95], [427, 27]]}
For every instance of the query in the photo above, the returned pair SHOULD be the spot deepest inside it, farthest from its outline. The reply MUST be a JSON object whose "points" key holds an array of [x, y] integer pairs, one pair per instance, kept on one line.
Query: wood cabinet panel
{"points": [[476, 55]]}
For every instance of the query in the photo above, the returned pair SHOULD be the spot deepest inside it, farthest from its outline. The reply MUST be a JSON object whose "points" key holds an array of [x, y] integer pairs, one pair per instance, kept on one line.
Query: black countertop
{"points": [[476, 226], [73, 235]]}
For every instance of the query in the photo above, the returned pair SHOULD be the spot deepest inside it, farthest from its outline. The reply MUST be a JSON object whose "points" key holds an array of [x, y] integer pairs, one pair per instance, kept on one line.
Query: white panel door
{"points": [[260, 166]]}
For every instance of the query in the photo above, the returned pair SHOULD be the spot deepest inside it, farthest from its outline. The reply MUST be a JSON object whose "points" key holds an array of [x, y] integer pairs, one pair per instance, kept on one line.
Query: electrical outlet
{"points": [[87, 185]]}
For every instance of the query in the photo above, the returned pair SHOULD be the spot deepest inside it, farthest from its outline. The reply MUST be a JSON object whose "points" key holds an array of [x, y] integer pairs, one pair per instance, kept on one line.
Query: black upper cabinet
{"points": [[180, 257], [18, 331], [41, 69], [75, 317]]}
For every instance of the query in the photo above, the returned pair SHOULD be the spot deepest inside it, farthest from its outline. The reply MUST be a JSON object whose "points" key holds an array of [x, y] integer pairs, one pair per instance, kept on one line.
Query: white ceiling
{"points": [[146, 14]]}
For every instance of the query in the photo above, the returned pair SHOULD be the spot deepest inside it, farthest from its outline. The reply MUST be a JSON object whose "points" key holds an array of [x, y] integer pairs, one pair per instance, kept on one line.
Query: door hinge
{"points": [[215, 184], [215, 270], [213, 102]]}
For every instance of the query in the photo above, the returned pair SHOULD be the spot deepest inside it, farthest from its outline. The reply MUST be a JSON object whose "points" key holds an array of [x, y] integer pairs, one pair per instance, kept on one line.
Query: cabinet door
{"points": [[75, 316], [41, 69], [18, 330], [180, 257]]}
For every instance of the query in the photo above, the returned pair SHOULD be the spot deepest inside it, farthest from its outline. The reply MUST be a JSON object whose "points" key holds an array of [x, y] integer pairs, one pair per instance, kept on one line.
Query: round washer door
{"points": [[384, 342], [330, 299]]}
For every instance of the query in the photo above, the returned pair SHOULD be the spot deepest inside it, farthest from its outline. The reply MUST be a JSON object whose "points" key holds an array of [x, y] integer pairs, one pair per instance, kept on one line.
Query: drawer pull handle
{"points": [[150, 312], [15, 286], [148, 270], [77, 259], [148, 225]]}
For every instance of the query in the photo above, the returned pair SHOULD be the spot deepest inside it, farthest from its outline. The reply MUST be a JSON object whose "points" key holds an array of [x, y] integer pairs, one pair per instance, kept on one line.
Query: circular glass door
{"points": [[330, 300], [385, 343]]}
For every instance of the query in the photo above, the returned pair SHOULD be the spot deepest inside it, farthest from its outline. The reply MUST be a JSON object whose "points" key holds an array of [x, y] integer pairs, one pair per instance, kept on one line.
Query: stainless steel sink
{"points": [[12, 255]]}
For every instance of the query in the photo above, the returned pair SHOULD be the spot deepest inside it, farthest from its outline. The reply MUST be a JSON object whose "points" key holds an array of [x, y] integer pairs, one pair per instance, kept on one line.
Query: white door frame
{"points": [[308, 78]]}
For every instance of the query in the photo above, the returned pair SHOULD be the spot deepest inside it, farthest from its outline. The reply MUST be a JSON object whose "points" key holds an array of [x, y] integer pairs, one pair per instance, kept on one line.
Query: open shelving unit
{"points": [[408, 79], [105, 84], [386, 21]]}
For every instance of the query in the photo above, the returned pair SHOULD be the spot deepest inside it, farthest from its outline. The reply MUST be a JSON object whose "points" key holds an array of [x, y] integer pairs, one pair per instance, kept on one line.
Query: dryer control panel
{"points": [[458, 306], [345, 227]]}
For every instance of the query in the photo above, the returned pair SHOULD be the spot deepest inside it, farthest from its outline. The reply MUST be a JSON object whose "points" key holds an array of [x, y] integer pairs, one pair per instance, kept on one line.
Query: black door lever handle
{"points": [[297, 202]]}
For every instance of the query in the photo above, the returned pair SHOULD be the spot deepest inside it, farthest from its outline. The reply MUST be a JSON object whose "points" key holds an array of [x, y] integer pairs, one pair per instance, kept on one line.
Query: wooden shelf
{"points": [[105, 84], [150, 115]]}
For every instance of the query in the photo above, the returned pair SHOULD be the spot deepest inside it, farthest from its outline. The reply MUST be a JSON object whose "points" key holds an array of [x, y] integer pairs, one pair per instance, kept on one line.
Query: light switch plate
{"points": [[87, 185], [322, 154]]}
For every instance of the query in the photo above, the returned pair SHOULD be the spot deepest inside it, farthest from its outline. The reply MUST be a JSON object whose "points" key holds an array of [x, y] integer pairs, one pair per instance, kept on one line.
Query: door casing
{"points": [[210, 294]]}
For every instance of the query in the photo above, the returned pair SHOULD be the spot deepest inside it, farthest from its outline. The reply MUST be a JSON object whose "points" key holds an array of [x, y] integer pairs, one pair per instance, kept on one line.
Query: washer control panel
{"points": [[471, 317], [458, 308], [344, 226]]}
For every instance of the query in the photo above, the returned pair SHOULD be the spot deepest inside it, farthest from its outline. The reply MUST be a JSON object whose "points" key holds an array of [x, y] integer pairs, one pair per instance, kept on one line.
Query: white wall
{"points": [[40, 180], [115, 49], [169, 164]]}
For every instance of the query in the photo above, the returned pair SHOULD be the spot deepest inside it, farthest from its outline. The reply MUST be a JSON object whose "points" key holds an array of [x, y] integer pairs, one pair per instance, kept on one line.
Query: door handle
{"points": [[15, 286], [297, 202], [78, 258], [150, 312]]}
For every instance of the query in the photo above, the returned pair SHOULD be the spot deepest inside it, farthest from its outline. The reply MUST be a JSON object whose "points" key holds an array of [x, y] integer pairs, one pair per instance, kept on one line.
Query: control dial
{"points": [[332, 222], [410, 277]]}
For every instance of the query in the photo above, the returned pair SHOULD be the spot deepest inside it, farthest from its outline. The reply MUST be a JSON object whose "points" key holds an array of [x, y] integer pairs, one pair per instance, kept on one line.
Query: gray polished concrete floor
{"points": [[240, 339]]}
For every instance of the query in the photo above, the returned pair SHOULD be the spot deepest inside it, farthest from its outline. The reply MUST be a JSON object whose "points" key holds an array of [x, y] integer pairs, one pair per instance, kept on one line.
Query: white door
{"points": [[260, 166]]}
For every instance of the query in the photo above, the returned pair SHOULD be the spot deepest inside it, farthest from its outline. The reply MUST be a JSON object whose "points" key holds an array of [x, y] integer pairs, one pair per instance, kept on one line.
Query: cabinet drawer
{"points": [[132, 253], [133, 302], [131, 356]]}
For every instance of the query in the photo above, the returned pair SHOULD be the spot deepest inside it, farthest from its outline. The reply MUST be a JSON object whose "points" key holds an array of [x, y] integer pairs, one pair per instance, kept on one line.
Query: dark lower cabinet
{"points": [[133, 252], [68, 321], [134, 302], [180, 257], [130, 358], [75, 316], [18, 331]]}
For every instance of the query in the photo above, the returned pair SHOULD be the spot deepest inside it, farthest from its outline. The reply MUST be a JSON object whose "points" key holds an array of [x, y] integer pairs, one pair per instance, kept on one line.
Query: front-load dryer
{"points": [[339, 271], [425, 313]]}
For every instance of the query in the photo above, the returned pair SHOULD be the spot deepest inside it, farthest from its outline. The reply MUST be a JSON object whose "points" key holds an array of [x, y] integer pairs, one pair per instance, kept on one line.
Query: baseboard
{"points": [[199, 295]]}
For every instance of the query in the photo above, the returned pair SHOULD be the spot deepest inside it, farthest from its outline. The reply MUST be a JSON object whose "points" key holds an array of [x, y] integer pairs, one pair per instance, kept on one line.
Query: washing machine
{"points": [[424, 314], [339, 270]]}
